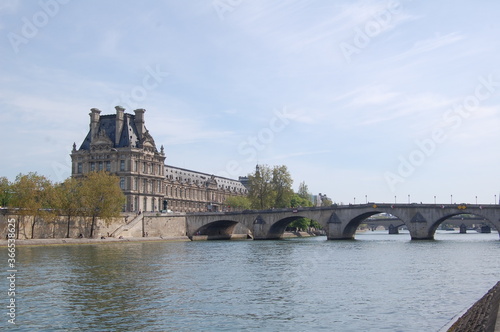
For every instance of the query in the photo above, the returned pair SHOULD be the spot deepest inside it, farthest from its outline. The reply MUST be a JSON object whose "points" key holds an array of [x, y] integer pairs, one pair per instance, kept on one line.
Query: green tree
{"points": [[238, 202], [270, 187], [315, 224], [298, 201], [5, 191], [261, 192], [301, 224], [282, 186], [69, 199], [33, 195], [304, 191], [101, 197], [304, 224]]}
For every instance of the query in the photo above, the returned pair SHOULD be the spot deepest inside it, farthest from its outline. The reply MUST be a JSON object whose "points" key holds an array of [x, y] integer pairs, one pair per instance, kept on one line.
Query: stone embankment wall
{"points": [[164, 225], [481, 317]]}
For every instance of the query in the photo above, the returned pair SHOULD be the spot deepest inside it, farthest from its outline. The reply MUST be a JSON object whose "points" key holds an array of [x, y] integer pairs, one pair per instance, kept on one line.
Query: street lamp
{"points": [[495, 199], [354, 200], [434, 199], [476, 200], [451, 199], [408, 198], [366, 199], [395, 200]]}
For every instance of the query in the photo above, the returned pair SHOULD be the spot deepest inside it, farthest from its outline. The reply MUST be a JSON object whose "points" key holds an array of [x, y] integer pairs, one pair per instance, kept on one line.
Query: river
{"points": [[378, 282]]}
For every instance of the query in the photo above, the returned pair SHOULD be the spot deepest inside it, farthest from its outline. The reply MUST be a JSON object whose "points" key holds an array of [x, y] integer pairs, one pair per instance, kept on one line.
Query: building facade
{"points": [[121, 145], [192, 191]]}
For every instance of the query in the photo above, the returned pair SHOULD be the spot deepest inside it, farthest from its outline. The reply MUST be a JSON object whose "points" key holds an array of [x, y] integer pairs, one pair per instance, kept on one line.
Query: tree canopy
{"points": [[282, 185], [33, 195], [101, 197], [260, 191], [69, 199], [97, 195], [270, 187], [238, 202], [5, 191]]}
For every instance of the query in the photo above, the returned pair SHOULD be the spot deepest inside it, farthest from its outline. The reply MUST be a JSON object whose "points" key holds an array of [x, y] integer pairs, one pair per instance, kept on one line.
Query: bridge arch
{"points": [[278, 228], [216, 230], [353, 224], [434, 226]]}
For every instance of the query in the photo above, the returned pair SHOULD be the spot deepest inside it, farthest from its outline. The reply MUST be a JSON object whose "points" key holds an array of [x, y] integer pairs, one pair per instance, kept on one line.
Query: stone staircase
{"points": [[129, 228]]}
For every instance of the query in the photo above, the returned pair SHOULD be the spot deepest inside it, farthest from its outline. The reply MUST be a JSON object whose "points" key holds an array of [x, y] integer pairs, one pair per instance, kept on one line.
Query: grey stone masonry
{"points": [[482, 316]]}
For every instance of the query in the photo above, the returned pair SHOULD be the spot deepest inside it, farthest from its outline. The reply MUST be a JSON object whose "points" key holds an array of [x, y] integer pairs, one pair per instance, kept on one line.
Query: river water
{"points": [[378, 282]]}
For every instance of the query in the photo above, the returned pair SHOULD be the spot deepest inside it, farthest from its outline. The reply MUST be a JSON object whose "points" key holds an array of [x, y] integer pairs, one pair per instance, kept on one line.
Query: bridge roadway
{"points": [[339, 221]]}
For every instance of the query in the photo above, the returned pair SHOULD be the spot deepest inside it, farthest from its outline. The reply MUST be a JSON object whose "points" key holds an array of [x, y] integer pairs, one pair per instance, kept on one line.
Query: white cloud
{"points": [[430, 44]]}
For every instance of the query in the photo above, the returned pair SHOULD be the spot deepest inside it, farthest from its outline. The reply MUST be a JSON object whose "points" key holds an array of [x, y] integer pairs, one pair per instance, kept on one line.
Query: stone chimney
{"points": [[119, 123], [139, 121], [94, 122]]}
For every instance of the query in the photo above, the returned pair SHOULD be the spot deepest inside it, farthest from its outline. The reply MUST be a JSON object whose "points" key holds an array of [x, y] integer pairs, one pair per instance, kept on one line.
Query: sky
{"points": [[378, 101]]}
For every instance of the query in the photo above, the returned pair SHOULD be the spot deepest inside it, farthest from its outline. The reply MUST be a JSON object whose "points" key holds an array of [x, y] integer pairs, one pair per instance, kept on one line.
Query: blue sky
{"points": [[371, 100]]}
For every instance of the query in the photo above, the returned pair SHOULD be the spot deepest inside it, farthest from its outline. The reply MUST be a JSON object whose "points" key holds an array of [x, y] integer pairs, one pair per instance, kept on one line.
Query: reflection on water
{"points": [[376, 282]]}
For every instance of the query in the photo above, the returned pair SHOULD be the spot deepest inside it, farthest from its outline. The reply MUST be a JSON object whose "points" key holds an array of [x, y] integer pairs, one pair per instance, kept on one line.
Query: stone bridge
{"points": [[339, 221]]}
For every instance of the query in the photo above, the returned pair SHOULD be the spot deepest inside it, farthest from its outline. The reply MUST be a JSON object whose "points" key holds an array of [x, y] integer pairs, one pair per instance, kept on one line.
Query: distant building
{"points": [[120, 144], [244, 181], [321, 200], [191, 191]]}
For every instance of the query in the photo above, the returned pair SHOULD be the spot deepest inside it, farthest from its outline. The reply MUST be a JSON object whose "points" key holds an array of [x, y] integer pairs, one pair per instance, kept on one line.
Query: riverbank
{"points": [[71, 241], [297, 234]]}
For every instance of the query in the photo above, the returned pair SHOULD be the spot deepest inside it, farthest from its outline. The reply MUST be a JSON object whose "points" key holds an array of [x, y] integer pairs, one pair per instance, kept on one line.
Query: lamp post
{"points": [[476, 200], [408, 198], [434, 199], [451, 199], [495, 199], [395, 200], [366, 199], [354, 200]]}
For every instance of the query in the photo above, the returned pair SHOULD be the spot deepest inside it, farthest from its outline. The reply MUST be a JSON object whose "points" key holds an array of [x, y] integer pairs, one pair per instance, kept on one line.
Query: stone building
{"points": [[191, 191], [120, 144]]}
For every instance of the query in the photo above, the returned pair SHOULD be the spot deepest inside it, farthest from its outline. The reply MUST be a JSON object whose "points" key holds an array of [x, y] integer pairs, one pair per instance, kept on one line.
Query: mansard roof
{"points": [[183, 175], [129, 136]]}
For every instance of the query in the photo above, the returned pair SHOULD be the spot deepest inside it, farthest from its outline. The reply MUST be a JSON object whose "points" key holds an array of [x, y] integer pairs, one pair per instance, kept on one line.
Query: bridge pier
{"points": [[261, 230], [485, 229], [419, 227], [421, 234], [335, 231], [393, 229]]}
